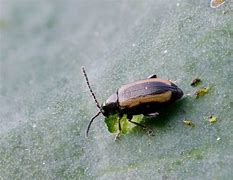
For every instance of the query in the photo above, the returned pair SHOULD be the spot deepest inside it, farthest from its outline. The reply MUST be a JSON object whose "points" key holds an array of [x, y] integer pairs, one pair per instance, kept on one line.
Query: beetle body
{"points": [[142, 97], [147, 97]]}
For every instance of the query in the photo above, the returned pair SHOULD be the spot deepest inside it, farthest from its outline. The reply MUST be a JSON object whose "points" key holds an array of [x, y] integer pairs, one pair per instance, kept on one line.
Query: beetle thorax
{"points": [[111, 105]]}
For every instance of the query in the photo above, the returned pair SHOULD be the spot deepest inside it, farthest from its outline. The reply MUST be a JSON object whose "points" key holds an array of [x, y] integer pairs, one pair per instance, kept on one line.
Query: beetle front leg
{"points": [[119, 128], [149, 131]]}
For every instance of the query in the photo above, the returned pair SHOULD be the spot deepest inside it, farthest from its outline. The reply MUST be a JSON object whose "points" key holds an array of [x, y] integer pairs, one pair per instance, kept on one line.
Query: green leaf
{"points": [[45, 105], [126, 126]]}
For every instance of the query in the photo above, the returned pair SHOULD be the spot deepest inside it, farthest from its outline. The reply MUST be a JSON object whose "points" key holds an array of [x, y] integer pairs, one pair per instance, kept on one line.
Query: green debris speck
{"points": [[201, 92], [196, 82], [212, 119], [188, 122]]}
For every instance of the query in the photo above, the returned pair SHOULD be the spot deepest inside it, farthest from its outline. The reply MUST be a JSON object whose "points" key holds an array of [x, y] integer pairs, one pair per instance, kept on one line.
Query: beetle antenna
{"points": [[88, 84], [89, 125]]}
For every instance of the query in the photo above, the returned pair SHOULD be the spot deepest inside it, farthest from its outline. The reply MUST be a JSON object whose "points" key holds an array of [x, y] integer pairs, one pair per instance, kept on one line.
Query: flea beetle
{"points": [[147, 97]]}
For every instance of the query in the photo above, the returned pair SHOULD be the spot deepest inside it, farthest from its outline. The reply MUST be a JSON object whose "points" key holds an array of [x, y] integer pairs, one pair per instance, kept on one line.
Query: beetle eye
{"points": [[104, 110]]}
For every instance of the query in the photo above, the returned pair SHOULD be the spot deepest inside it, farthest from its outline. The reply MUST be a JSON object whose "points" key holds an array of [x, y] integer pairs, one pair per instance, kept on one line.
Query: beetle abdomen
{"points": [[145, 91]]}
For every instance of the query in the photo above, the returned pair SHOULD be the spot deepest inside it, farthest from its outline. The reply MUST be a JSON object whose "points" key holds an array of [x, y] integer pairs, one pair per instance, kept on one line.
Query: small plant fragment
{"points": [[216, 3], [212, 119], [195, 82], [188, 122], [126, 126], [111, 123], [201, 92]]}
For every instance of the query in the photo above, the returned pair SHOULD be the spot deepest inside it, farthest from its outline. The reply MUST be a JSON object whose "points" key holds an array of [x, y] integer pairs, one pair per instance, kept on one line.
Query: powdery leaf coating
{"points": [[45, 105]]}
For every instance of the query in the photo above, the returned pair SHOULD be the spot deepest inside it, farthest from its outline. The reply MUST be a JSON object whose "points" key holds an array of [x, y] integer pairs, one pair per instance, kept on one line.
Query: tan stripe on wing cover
{"points": [[160, 98]]}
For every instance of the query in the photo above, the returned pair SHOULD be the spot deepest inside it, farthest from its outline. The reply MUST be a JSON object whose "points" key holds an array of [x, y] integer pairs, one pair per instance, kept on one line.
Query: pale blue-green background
{"points": [[45, 104]]}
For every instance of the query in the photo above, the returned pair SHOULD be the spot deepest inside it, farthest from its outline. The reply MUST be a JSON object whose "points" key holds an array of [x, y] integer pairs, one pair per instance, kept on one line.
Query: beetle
{"points": [[147, 97]]}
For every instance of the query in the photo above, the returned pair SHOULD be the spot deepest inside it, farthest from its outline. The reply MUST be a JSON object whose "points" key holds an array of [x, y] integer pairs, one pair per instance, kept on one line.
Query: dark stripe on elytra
{"points": [[153, 88]]}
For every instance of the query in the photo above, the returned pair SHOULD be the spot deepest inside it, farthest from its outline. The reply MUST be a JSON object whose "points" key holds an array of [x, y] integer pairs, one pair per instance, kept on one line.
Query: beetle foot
{"points": [[117, 137]]}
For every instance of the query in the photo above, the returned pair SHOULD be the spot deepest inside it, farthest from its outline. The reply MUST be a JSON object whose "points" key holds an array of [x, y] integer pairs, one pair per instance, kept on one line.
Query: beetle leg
{"points": [[148, 130], [119, 128]]}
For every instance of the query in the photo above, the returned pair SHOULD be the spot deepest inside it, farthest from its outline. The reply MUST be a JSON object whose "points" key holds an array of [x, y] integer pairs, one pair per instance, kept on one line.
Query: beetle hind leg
{"points": [[149, 131]]}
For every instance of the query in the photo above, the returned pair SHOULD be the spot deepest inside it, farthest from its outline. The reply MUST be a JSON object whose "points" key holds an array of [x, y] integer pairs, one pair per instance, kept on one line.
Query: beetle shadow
{"points": [[166, 115]]}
